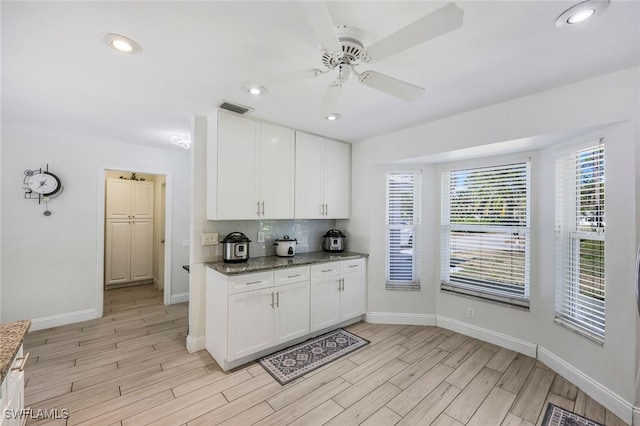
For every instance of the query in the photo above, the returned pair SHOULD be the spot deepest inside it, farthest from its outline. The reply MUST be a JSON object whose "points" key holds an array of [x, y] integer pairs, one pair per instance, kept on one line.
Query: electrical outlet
{"points": [[471, 313], [261, 237], [209, 239], [185, 243]]}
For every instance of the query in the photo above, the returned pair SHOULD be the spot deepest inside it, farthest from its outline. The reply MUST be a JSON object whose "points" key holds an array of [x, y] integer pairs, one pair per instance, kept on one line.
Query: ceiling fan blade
{"points": [[443, 20], [282, 78], [330, 100], [391, 86], [318, 17]]}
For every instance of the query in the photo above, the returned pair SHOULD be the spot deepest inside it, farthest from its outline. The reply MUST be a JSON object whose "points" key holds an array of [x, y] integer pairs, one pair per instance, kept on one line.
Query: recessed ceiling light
{"points": [[121, 43], [581, 12], [256, 90], [181, 141], [333, 117]]}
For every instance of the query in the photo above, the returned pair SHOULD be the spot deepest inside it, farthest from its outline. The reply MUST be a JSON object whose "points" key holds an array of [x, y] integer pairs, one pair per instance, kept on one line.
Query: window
{"points": [[403, 220], [580, 240], [485, 232]]}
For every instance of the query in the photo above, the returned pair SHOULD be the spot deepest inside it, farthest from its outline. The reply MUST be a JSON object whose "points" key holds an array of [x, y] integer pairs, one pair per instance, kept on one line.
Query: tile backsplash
{"points": [[309, 233]]}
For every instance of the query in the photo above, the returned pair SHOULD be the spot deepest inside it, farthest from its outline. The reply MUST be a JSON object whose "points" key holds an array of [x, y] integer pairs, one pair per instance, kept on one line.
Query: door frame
{"points": [[101, 230]]}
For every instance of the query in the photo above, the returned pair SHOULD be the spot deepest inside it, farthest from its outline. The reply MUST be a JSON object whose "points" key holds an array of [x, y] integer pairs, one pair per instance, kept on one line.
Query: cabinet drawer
{"points": [[291, 275], [354, 265], [248, 282], [15, 375], [324, 270]]}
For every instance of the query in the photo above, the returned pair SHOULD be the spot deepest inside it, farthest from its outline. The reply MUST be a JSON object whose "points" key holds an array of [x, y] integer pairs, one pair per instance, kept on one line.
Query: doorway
{"points": [[133, 248]]}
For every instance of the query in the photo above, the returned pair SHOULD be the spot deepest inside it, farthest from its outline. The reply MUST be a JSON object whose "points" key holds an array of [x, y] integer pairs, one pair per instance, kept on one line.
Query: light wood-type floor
{"points": [[131, 368]]}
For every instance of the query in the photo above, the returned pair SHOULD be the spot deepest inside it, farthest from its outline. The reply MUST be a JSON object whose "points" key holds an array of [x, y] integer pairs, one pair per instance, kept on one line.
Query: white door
{"points": [[353, 296], [337, 179], [308, 180], [292, 311], [250, 322], [276, 177], [325, 303], [118, 199], [141, 249], [142, 199], [237, 168], [117, 251]]}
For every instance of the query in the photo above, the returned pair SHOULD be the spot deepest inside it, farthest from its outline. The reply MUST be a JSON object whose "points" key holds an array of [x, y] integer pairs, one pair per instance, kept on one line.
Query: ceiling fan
{"points": [[343, 50]]}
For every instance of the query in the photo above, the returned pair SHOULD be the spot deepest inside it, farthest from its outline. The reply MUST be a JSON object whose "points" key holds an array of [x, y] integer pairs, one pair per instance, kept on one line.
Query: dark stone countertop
{"points": [[259, 264], [11, 338]]}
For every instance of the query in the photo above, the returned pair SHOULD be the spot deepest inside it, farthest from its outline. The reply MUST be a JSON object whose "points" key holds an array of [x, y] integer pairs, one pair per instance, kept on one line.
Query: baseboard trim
{"points": [[195, 344], [487, 335], [605, 396], [63, 319], [636, 416], [393, 318], [179, 298]]}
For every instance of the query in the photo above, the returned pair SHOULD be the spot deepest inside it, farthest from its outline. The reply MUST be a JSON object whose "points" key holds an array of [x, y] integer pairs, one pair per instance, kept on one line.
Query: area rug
{"points": [[556, 416], [291, 363]]}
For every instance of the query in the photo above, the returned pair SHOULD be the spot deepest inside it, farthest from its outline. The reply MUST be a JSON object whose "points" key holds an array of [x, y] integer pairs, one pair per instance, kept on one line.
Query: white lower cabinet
{"points": [[338, 292], [13, 393], [249, 314]]}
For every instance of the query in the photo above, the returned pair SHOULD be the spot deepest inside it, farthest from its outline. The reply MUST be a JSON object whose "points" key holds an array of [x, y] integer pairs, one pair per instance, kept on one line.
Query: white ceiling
{"points": [[57, 73]]}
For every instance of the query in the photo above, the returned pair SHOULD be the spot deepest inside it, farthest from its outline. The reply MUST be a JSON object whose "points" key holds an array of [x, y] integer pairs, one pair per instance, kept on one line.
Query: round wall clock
{"points": [[44, 183]]}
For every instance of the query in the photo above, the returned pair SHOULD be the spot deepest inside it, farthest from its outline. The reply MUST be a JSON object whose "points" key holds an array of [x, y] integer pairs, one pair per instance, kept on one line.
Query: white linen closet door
{"points": [[141, 249]]}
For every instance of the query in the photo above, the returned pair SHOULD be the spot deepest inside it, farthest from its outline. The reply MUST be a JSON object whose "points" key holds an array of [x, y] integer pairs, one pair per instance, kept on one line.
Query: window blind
{"points": [[403, 220], [580, 239], [485, 232]]}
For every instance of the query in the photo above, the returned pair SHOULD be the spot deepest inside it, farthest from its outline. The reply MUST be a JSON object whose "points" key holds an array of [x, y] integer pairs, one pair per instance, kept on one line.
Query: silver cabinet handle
{"points": [[321, 209], [23, 363], [294, 276], [263, 208], [326, 209], [272, 304], [353, 266], [277, 299], [258, 204], [327, 270], [253, 282]]}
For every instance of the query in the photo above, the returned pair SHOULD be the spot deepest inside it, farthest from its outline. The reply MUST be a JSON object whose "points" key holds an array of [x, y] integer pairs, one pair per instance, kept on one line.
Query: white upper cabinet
{"points": [[254, 170], [276, 172], [237, 168], [129, 199], [323, 178]]}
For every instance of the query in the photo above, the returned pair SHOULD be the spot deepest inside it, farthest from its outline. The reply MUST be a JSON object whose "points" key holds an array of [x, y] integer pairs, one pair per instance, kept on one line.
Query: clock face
{"points": [[44, 183]]}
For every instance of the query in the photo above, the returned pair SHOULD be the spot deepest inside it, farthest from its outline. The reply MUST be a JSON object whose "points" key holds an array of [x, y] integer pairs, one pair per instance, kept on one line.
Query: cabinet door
{"points": [[337, 179], [237, 168], [117, 251], [353, 297], [292, 311], [118, 199], [250, 323], [325, 303], [142, 200], [141, 249], [276, 175], [308, 172]]}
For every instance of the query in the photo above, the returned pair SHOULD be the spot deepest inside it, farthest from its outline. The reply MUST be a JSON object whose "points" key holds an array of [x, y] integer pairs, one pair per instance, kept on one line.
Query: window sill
{"points": [[402, 287], [520, 305], [579, 330]]}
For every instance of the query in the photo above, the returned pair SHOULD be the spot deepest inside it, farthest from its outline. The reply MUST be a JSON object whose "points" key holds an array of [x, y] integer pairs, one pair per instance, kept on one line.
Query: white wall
{"points": [[599, 101], [50, 265]]}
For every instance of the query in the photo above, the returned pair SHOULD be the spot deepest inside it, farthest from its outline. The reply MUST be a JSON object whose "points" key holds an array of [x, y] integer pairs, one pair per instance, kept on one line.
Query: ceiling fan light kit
{"points": [[343, 49], [581, 12]]}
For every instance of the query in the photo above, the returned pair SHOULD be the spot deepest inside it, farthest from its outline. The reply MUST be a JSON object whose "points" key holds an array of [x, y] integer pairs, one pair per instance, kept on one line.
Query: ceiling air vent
{"points": [[238, 109]]}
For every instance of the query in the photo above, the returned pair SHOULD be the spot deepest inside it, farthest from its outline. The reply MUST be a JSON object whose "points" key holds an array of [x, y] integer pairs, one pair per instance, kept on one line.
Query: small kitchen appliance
{"points": [[286, 246], [235, 248], [333, 240]]}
